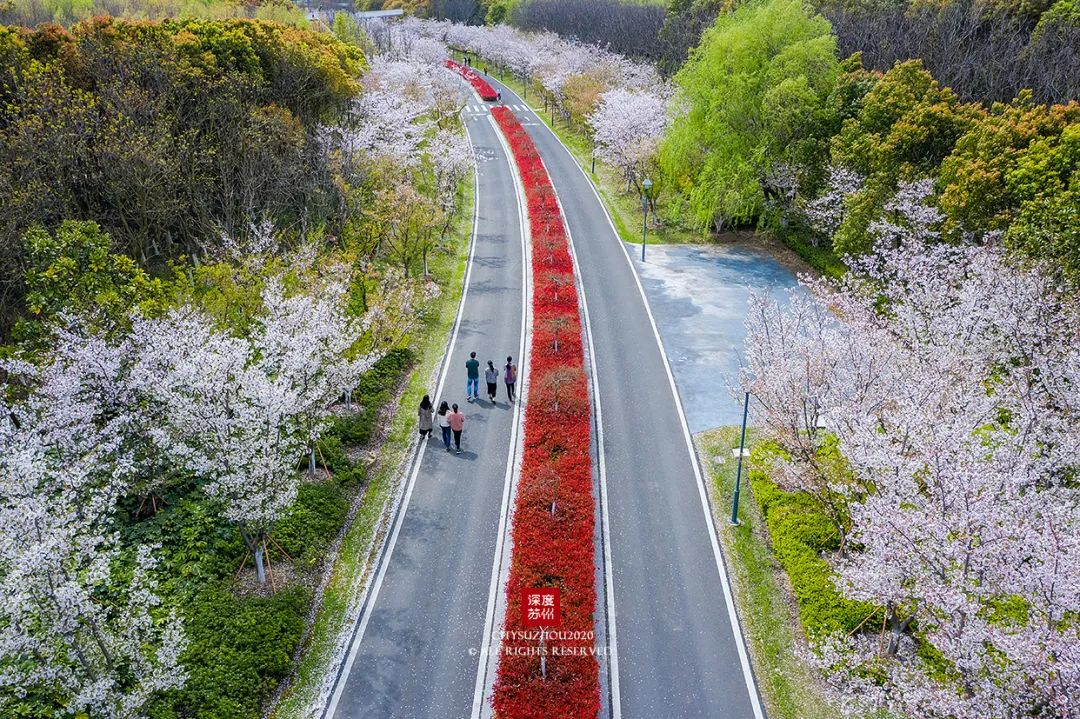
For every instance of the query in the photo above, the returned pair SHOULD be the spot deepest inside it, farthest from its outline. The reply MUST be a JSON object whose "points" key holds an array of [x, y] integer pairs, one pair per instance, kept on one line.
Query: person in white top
{"points": [[443, 417]]}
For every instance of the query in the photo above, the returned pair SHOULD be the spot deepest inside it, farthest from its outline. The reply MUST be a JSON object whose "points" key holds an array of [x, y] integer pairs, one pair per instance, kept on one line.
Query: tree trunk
{"points": [[311, 461], [897, 627], [260, 569]]}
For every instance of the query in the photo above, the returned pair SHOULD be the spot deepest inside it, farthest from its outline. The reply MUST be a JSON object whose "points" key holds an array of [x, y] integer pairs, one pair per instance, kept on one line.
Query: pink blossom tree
{"points": [[627, 129], [949, 379]]}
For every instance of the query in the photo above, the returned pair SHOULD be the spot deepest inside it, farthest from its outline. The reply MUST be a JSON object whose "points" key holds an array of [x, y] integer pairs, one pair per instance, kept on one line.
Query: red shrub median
{"points": [[551, 549], [483, 89]]}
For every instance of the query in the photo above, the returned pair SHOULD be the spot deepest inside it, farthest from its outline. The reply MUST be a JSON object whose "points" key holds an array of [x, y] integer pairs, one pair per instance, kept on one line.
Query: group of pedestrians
{"points": [[491, 378], [451, 420], [449, 417]]}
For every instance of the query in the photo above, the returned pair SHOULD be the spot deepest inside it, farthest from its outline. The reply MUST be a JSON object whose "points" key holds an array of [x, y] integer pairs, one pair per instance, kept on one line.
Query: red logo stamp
{"points": [[540, 607]]}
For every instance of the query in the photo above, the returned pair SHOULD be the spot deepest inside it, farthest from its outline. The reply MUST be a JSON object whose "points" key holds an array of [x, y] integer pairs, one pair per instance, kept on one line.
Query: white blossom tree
{"points": [[627, 129], [226, 419], [451, 159], [74, 630], [950, 381], [542, 58], [826, 212], [240, 411]]}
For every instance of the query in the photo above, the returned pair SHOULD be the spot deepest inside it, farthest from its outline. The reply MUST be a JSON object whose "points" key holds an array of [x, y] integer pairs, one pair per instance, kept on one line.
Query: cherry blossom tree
{"points": [[451, 159], [239, 411], [949, 380], [383, 124], [627, 128], [73, 629], [227, 419], [543, 58], [795, 352], [827, 211]]}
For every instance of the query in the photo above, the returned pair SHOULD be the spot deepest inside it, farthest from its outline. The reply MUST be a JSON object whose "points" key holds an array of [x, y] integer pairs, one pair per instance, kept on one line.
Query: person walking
{"points": [[457, 424], [443, 417], [510, 377], [424, 413], [472, 377], [491, 376]]}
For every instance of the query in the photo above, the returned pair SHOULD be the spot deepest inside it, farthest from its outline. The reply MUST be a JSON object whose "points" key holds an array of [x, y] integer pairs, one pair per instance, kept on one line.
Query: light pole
{"points": [[742, 452], [645, 187]]}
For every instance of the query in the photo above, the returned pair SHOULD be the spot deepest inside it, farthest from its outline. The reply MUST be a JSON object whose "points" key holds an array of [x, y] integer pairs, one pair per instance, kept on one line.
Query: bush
{"points": [[312, 522], [240, 648], [801, 532]]}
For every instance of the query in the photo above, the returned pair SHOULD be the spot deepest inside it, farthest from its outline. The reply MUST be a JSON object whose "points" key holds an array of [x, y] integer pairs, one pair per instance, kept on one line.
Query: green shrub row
{"points": [[801, 533]]}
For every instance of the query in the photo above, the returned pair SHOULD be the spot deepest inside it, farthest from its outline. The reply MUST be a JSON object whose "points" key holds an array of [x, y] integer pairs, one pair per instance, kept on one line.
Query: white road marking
{"points": [[740, 643], [609, 582], [488, 662], [388, 550]]}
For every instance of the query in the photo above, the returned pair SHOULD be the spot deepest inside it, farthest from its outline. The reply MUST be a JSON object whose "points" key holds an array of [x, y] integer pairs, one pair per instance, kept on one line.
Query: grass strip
{"points": [[769, 619]]}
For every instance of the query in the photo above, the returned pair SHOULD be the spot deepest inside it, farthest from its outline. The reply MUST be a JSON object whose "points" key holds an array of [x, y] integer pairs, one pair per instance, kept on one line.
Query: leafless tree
{"points": [[632, 29], [982, 54]]}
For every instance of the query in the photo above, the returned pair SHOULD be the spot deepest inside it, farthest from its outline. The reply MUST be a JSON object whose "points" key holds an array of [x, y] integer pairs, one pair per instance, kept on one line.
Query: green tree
{"points": [[905, 125], [499, 11], [73, 270], [755, 94], [165, 134], [1047, 182], [983, 186]]}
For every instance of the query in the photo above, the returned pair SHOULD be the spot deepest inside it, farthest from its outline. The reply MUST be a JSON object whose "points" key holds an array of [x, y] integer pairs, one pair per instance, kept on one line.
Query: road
{"points": [[410, 654], [678, 651]]}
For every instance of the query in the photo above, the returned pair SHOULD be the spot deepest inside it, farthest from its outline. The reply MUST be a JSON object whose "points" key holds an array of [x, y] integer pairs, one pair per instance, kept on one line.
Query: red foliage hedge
{"points": [[551, 550], [483, 89]]}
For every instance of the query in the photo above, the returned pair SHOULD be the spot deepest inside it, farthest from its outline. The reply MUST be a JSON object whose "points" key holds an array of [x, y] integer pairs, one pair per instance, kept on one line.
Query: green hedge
{"points": [[801, 532], [310, 525], [239, 649]]}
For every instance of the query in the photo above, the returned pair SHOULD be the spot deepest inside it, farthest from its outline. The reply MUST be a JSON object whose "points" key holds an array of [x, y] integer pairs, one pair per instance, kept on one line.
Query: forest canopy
{"points": [[167, 134]]}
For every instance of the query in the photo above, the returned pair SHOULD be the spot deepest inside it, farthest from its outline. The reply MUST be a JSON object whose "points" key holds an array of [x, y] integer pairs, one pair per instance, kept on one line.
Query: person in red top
{"points": [[457, 425]]}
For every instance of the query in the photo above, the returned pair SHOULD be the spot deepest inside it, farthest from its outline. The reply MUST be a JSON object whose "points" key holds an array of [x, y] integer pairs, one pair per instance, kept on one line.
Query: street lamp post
{"points": [[742, 451], [645, 187]]}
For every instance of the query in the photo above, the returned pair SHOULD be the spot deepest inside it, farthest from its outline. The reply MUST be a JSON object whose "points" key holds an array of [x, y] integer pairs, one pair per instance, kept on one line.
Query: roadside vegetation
{"points": [[211, 311], [771, 613], [30, 13], [553, 530]]}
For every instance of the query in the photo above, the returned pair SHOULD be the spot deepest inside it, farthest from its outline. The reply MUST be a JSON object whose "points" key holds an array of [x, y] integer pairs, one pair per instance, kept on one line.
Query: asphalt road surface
{"points": [[677, 651], [413, 658]]}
